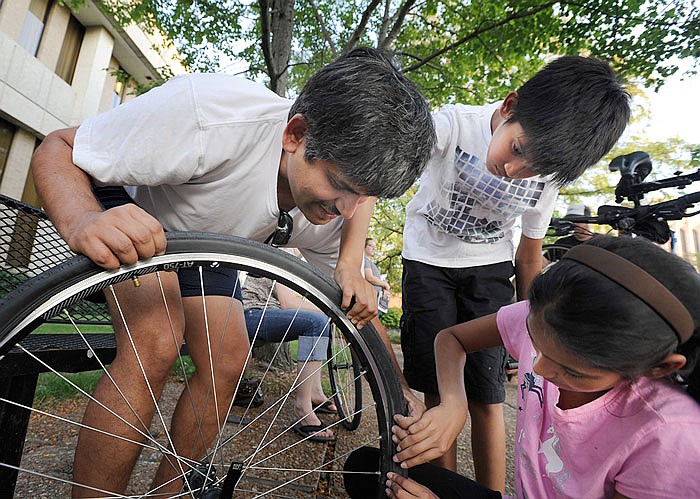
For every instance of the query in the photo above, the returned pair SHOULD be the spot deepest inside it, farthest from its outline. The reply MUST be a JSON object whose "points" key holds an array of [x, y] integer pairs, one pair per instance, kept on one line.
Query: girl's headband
{"points": [[638, 282]]}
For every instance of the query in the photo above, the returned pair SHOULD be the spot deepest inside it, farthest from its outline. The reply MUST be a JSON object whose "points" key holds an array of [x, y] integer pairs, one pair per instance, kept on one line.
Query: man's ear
{"points": [[672, 363], [508, 105], [294, 133]]}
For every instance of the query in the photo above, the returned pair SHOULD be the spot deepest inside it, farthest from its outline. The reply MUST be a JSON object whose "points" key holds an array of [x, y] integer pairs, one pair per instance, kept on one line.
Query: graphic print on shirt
{"points": [[550, 448], [529, 384], [478, 203]]}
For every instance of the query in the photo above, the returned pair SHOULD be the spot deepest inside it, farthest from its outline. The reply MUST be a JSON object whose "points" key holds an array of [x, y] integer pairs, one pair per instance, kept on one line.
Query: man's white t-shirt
{"points": [[202, 153], [463, 216]]}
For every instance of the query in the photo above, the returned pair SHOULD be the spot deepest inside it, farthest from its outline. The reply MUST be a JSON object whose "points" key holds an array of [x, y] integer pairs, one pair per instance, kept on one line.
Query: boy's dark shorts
{"points": [[435, 298], [218, 282]]}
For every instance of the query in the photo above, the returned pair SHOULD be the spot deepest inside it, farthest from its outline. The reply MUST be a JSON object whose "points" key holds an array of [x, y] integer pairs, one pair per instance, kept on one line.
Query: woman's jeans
{"points": [[275, 325]]}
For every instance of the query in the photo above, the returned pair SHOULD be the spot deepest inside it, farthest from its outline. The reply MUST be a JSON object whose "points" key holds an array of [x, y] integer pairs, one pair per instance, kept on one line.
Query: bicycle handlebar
{"points": [[649, 221]]}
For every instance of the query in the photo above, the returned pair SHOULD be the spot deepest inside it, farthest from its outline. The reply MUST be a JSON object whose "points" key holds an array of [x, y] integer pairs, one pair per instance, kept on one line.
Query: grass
{"points": [[50, 328], [51, 387]]}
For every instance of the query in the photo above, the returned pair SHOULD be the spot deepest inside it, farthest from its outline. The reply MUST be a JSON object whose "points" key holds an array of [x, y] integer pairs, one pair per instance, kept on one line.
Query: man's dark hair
{"points": [[366, 117], [572, 111]]}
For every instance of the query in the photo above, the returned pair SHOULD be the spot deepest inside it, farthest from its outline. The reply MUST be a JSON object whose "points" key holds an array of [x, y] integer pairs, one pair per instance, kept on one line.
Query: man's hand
{"points": [[354, 285], [401, 487], [121, 235], [428, 438]]}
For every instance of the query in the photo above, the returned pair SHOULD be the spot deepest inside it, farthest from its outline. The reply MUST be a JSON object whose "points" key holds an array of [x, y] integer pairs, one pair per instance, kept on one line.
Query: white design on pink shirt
{"points": [[549, 449]]}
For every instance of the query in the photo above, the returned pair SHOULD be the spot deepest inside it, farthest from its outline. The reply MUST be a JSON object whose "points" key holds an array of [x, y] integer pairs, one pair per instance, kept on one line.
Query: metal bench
{"points": [[29, 245]]}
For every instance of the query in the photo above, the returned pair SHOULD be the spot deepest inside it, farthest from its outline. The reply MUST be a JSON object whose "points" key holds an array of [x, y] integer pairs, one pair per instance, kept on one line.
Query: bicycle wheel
{"points": [[552, 253], [345, 376], [257, 454]]}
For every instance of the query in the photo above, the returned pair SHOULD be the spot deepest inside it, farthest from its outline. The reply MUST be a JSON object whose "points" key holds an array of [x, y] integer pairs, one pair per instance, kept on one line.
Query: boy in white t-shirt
{"points": [[494, 164], [222, 154]]}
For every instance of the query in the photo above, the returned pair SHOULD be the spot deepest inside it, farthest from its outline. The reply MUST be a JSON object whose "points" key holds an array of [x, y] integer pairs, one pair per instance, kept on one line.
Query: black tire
{"points": [[47, 295], [345, 376], [552, 253]]}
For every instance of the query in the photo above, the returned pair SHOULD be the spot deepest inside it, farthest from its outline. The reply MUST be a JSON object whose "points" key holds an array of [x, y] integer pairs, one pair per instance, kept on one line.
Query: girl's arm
{"points": [[431, 436]]}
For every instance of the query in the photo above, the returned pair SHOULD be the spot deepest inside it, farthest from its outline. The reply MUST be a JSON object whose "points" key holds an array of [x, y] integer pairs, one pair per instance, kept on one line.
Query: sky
{"points": [[675, 110]]}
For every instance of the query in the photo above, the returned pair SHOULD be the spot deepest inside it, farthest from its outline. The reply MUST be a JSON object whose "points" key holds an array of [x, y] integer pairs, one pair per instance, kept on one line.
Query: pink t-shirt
{"points": [[640, 439]]}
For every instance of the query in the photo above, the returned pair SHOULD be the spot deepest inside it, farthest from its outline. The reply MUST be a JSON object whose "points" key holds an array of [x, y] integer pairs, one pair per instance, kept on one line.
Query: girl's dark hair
{"points": [[609, 327]]}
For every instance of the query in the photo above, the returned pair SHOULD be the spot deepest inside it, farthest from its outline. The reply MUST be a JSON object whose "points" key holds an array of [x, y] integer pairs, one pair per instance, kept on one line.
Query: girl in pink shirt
{"points": [[609, 391]]}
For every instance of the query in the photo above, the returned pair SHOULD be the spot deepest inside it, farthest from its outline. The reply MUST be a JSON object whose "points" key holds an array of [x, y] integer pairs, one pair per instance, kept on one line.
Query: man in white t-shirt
{"points": [[222, 154], [494, 164]]}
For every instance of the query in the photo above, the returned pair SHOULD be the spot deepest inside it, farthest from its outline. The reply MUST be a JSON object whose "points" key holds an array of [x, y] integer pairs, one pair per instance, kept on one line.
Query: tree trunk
{"points": [[265, 352]]}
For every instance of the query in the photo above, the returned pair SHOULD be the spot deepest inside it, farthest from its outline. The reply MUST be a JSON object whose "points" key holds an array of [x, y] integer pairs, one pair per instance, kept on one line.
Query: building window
{"points": [[33, 26], [684, 242], [696, 241], [68, 58], [119, 88], [7, 132]]}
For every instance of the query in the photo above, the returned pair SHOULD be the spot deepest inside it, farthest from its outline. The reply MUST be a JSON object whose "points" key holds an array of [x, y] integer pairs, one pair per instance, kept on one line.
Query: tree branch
{"points": [[265, 38], [398, 24], [324, 29], [357, 34], [479, 31]]}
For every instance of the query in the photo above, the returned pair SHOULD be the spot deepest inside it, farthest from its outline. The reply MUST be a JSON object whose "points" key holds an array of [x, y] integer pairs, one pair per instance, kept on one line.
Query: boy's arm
{"points": [[120, 235], [528, 264], [433, 434], [348, 270]]}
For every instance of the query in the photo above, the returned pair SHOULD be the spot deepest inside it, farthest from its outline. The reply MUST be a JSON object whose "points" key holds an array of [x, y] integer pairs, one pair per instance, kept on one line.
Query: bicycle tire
{"points": [[44, 296], [345, 376], [552, 253]]}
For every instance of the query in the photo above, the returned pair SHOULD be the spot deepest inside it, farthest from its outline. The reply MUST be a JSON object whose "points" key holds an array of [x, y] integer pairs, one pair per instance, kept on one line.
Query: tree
{"points": [[454, 50]]}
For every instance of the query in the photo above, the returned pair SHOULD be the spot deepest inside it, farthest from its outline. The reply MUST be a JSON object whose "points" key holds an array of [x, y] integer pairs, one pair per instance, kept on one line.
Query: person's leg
{"points": [[313, 328], [483, 290], [362, 479], [106, 462], [488, 444], [218, 346], [429, 305]]}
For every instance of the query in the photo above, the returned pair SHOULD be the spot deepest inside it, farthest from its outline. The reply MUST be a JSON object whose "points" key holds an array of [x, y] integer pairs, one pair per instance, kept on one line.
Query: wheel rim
{"points": [[268, 467]]}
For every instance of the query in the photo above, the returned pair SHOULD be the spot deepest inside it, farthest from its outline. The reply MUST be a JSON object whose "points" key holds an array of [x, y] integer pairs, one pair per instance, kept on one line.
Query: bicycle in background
{"points": [[649, 221]]}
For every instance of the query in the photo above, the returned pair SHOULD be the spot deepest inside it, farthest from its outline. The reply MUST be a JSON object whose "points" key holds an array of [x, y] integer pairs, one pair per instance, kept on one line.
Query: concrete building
{"points": [[687, 239], [58, 67]]}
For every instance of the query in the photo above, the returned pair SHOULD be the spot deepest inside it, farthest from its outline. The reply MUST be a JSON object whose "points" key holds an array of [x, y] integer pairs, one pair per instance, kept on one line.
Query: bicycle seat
{"points": [[634, 168], [636, 164]]}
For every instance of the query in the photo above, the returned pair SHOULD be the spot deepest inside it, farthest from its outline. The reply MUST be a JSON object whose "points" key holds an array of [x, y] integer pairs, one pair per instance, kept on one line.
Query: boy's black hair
{"points": [[572, 111], [607, 326]]}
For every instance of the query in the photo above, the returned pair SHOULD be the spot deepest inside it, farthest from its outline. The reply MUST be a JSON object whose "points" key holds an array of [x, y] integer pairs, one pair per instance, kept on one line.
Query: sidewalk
{"points": [[464, 454]]}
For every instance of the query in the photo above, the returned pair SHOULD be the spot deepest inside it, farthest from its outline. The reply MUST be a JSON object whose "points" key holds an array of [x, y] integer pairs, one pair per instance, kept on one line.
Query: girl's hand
{"points": [[428, 438], [400, 487]]}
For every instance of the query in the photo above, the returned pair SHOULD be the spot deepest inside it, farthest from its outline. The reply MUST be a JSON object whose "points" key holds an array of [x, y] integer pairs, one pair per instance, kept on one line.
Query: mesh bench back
{"points": [[30, 245]]}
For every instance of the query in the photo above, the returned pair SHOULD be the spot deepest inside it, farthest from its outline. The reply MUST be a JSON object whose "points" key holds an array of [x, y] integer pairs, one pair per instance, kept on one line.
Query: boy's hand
{"points": [[401, 487], [354, 285], [120, 235], [428, 438]]}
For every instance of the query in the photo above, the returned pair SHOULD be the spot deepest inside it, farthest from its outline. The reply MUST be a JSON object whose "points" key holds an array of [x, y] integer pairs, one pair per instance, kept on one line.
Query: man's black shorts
{"points": [[435, 298]]}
